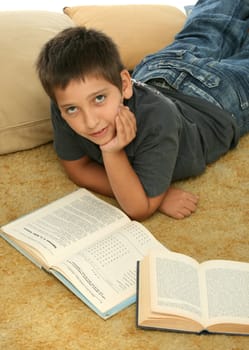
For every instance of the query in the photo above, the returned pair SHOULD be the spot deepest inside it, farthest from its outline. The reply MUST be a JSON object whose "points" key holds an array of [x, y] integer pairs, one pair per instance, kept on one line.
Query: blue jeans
{"points": [[209, 58]]}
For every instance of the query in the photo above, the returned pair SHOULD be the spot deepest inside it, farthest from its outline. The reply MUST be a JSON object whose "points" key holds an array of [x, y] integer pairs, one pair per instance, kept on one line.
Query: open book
{"points": [[175, 292], [89, 245]]}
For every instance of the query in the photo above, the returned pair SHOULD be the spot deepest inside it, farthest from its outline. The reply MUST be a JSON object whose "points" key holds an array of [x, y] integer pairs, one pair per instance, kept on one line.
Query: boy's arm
{"points": [[85, 172], [119, 179], [126, 185], [129, 192]]}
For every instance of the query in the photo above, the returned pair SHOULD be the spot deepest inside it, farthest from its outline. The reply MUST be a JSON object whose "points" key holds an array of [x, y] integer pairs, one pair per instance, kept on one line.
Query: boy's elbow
{"points": [[143, 209], [75, 180], [139, 214]]}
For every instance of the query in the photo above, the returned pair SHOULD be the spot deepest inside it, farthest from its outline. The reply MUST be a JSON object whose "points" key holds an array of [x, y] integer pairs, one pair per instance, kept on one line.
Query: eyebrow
{"points": [[98, 92], [67, 105], [93, 94]]}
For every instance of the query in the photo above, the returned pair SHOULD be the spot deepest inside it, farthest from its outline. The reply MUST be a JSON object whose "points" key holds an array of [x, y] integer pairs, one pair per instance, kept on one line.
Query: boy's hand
{"points": [[125, 131], [178, 203]]}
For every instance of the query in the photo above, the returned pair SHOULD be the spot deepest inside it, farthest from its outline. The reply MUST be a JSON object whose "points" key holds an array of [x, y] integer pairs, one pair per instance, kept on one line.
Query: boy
{"points": [[185, 107]]}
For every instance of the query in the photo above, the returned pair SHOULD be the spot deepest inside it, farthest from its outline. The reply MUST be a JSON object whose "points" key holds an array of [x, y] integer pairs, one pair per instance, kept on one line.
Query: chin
{"points": [[103, 143], [107, 140]]}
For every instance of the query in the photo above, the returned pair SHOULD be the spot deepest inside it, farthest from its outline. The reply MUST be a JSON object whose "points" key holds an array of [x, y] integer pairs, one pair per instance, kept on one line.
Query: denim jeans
{"points": [[209, 58]]}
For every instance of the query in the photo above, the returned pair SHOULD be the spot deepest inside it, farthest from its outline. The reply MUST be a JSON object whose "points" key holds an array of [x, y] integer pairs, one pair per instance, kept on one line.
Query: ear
{"points": [[126, 84]]}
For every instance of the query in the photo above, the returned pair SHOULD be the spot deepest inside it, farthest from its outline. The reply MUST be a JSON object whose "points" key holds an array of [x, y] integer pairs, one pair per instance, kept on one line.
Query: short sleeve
{"points": [[66, 141], [154, 153]]}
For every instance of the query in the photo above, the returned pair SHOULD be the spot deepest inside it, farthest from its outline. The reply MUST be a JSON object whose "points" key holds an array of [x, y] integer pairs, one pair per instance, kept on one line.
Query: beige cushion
{"points": [[136, 29], [24, 107]]}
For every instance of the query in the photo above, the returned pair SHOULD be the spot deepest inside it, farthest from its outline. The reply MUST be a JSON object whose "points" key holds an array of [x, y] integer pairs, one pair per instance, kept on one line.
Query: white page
{"points": [[63, 223], [175, 285], [227, 291], [105, 272]]}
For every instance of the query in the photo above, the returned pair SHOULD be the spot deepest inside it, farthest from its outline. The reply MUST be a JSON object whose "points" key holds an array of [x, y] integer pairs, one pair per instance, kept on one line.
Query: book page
{"points": [[105, 271], [65, 223], [175, 285], [227, 291]]}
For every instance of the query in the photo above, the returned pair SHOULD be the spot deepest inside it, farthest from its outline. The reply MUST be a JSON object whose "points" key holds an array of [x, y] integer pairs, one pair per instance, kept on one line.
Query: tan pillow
{"points": [[136, 29], [24, 107]]}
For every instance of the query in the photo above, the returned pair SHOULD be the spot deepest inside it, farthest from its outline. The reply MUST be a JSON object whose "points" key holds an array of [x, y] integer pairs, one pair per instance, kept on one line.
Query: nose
{"points": [[90, 119]]}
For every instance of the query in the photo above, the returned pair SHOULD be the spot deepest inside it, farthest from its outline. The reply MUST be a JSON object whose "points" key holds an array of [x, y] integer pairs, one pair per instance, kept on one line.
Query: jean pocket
{"points": [[183, 63]]}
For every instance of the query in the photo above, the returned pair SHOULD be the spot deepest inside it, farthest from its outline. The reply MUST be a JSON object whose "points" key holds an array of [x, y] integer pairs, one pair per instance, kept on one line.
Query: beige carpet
{"points": [[37, 312]]}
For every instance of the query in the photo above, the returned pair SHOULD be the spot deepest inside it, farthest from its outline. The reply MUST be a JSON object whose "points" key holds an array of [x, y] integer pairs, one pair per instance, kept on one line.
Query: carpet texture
{"points": [[38, 312]]}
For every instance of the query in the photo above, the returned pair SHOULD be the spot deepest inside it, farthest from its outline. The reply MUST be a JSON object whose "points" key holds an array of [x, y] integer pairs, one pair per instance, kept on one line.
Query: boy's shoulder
{"points": [[147, 97], [151, 108], [151, 93]]}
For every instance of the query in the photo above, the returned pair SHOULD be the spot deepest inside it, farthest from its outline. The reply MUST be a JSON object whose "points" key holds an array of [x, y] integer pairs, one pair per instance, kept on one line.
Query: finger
{"points": [[126, 124], [125, 132], [191, 206], [127, 115], [178, 216], [191, 197], [183, 213]]}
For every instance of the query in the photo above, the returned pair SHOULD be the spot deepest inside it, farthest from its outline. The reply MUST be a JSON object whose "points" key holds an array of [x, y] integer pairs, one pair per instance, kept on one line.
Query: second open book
{"points": [[177, 293]]}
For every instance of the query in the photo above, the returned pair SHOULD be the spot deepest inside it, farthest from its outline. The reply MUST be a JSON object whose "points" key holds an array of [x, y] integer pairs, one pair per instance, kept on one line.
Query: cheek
{"points": [[111, 113]]}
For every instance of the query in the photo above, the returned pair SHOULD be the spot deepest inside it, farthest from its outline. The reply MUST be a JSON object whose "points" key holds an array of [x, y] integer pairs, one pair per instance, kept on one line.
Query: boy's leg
{"points": [[195, 62], [216, 28], [234, 84]]}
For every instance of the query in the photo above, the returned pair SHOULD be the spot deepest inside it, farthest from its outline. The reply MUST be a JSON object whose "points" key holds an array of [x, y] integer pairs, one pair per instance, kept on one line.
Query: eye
{"points": [[99, 98], [71, 110]]}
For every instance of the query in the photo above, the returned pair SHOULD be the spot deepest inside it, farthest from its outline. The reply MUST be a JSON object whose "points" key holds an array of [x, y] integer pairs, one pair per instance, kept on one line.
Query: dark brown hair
{"points": [[75, 53]]}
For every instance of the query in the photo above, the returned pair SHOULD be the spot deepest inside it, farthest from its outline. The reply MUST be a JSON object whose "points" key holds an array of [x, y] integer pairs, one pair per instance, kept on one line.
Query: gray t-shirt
{"points": [[176, 137]]}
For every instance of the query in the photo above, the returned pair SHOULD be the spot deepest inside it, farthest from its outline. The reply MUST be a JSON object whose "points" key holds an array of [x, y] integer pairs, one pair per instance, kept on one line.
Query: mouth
{"points": [[99, 133]]}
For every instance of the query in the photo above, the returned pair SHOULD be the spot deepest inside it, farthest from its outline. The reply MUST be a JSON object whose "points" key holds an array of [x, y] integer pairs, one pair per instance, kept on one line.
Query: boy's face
{"points": [[90, 107]]}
